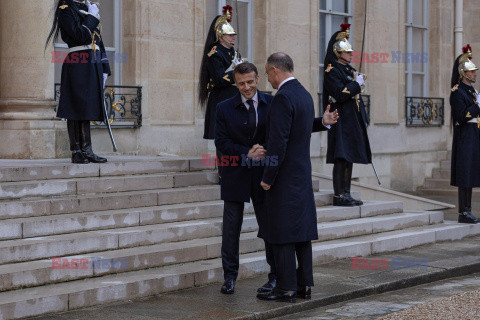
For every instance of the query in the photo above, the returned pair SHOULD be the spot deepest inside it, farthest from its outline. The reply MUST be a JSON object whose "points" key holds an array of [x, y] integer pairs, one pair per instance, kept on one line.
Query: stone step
{"points": [[368, 209], [12, 171], [40, 272], [28, 249], [438, 184], [113, 201], [80, 186], [441, 173], [445, 165], [450, 192], [53, 206], [109, 288]]}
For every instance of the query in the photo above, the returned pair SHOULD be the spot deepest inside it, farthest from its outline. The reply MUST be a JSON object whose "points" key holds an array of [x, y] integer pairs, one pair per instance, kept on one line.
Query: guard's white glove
{"points": [[105, 76], [359, 79], [93, 9], [478, 99]]}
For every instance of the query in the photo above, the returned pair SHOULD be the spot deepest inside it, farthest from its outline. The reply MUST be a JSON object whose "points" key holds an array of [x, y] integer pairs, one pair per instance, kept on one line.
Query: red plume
{"points": [[345, 26], [467, 48], [229, 9]]}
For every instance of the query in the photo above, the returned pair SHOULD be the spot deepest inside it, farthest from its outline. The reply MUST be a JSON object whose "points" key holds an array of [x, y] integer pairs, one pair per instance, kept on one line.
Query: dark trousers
{"points": [[288, 276], [342, 177], [464, 199], [232, 225]]}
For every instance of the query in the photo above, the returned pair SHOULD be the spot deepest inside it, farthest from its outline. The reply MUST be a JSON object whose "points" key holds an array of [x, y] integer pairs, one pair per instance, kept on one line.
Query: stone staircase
{"points": [[73, 236], [439, 183]]}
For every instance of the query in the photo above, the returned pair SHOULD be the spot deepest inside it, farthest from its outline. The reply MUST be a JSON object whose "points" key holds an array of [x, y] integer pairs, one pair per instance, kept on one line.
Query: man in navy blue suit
{"points": [[240, 137], [291, 219]]}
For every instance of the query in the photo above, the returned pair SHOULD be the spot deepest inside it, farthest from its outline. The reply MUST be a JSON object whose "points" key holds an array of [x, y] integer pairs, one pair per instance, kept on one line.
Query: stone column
{"points": [[28, 128]]}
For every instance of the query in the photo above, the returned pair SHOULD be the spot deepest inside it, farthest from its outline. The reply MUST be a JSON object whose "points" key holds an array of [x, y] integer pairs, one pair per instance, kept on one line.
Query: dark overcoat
{"points": [[81, 89], [347, 139], [221, 86], [466, 137], [290, 204]]}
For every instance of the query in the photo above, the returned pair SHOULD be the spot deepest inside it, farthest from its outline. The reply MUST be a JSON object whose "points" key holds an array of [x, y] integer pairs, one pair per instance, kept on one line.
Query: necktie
{"points": [[252, 118]]}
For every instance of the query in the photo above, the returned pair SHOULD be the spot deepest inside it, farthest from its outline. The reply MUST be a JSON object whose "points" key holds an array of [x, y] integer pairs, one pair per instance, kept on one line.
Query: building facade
{"points": [[409, 49]]}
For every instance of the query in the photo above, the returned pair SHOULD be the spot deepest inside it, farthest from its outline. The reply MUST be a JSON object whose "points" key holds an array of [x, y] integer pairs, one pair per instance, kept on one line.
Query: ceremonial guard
{"points": [[84, 73], [465, 103], [216, 82], [347, 139]]}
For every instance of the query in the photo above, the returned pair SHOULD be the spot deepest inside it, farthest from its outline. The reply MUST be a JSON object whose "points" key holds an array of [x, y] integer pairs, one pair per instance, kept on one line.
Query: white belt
{"points": [[80, 48], [474, 120]]}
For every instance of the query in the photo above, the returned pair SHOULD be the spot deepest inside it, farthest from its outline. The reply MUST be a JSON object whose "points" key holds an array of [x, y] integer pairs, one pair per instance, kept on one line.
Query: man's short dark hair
{"points": [[281, 61], [245, 67]]}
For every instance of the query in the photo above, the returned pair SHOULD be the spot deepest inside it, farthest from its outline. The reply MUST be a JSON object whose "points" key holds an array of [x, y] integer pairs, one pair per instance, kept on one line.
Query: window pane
{"points": [[242, 34], [322, 39], [323, 4], [340, 6], [337, 21], [417, 6], [417, 50], [108, 28], [417, 85]]}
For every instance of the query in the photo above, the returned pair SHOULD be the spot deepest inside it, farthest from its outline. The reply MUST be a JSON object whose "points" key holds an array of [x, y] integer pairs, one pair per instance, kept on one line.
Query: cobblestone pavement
{"points": [[456, 299]]}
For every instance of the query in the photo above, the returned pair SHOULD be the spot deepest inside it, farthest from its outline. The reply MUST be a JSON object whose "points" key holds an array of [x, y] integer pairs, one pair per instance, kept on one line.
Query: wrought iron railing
{"points": [[365, 99], [124, 106], [424, 112]]}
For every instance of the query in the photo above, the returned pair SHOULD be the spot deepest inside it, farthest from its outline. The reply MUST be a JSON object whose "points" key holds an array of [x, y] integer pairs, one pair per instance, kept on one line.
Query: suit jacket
{"points": [[240, 177], [291, 214], [466, 137]]}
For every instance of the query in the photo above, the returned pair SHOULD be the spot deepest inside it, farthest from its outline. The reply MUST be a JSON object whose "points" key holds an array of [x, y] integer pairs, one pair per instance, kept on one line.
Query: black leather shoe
{"points": [[467, 217], [92, 157], [279, 295], [342, 201], [355, 202], [78, 157], [228, 287], [267, 287], [304, 292]]}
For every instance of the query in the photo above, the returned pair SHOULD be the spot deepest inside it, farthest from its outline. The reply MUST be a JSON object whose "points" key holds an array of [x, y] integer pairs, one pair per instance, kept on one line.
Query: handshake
{"points": [[257, 153]]}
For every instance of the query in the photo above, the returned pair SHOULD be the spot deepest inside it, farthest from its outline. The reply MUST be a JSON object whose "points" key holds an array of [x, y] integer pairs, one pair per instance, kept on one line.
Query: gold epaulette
{"points": [[329, 68], [455, 88], [214, 49], [63, 6]]}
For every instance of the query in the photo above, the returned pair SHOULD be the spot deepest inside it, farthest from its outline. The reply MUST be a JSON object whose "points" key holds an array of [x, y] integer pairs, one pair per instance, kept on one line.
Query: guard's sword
{"points": [[374, 170], [107, 123]]}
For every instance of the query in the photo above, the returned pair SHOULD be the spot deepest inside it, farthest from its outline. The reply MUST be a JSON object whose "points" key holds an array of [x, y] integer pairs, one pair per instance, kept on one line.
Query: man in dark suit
{"points": [[240, 136], [291, 219]]}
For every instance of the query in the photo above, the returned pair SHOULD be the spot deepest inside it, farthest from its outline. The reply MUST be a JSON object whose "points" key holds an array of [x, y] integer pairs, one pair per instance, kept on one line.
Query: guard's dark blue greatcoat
{"points": [[81, 90], [347, 139], [221, 86], [290, 205], [466, 137]]}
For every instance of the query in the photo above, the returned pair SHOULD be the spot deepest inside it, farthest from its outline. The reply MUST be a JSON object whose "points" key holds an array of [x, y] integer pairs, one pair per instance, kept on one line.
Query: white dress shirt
{"points": [[283, 82]]}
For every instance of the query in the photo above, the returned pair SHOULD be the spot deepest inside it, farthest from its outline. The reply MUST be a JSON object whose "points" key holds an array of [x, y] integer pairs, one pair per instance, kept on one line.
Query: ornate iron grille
{"points": [[424, 112], [365, 99], [124, 106]]}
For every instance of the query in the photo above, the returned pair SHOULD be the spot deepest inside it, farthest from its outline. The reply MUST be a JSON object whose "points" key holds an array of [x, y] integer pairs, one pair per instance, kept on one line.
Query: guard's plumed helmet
{"points": [[464, 63], [342, 44], [222, 25]]}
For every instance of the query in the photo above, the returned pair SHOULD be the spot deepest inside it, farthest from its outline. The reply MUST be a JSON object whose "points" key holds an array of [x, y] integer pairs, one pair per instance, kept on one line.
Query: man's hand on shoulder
{"points": [[330, 118]]}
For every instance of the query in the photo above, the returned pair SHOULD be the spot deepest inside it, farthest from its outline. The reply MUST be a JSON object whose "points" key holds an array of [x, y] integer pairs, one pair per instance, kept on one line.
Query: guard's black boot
{"points": [[467, 217], [304, 292], [348, 196], [87, 144], [348, 183], [342, 201], [74, 138]]}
